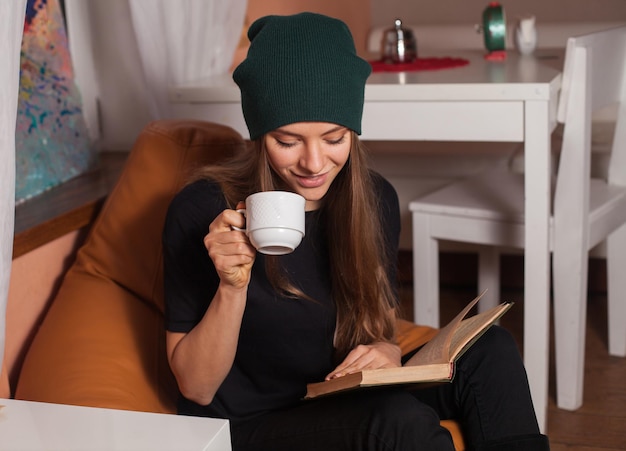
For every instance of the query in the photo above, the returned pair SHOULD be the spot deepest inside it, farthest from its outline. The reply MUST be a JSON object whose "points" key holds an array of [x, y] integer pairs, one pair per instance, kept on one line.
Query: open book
{"points": [[434, 362]]}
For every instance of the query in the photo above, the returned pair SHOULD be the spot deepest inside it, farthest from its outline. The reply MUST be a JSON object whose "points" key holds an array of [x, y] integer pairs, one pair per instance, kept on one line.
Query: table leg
{"points": [[537, 253]]}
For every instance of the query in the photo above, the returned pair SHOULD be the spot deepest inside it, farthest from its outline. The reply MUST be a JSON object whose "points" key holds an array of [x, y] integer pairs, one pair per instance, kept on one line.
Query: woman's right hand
{"points": [[230, 250]]}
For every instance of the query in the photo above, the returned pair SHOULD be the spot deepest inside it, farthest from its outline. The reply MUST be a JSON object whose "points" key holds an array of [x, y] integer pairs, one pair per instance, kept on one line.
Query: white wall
{"points": [[384, 12]]}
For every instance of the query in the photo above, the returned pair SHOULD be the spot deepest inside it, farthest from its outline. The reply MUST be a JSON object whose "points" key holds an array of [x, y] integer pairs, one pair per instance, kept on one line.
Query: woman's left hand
{"points": [[373, 356]]}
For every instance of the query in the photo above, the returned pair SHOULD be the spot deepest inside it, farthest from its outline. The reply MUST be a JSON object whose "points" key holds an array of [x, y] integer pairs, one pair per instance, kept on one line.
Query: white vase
{"points": [[525, 35]]}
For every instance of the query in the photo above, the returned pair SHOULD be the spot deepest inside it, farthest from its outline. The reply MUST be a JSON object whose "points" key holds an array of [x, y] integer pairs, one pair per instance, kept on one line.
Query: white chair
{"points": [[488, 209]]}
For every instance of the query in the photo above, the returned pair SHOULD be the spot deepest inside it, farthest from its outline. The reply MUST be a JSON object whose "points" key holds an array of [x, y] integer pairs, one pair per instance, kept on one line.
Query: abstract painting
{"points": [[52, 140]]}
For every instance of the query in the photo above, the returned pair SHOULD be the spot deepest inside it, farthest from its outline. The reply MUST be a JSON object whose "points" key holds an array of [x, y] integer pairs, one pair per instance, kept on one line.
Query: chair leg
{"points": [[616, 262], [488, 277], [425, 272], [569, 269]]}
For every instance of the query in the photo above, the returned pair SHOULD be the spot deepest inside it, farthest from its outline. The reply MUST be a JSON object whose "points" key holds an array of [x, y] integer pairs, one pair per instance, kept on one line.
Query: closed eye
{"points": [[339, 140], [285, 144]]}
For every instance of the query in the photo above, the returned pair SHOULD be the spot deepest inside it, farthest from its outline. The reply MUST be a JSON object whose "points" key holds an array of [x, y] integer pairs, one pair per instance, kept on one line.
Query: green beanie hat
{"points": [[301, 68]]}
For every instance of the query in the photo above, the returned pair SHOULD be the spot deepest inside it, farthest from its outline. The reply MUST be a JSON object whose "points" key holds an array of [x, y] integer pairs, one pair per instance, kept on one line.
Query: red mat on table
{"points": [[419, 64]]}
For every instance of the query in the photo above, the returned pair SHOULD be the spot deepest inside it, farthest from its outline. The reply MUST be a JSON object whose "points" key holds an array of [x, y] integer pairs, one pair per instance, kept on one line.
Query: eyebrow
{"points": [[328, 132]]}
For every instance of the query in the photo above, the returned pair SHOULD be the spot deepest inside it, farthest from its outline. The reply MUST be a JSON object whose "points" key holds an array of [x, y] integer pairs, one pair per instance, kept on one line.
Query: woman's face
{"points": [[308, 156]]}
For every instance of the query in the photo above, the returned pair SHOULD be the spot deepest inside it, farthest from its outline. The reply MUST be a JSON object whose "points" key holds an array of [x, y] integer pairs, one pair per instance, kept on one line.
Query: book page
{"points": [[470, 329], [425, 374], [403, 374], [437, 349]]}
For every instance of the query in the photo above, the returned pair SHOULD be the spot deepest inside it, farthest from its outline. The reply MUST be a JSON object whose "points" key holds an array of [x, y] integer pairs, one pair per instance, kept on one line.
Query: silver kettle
{"points": [[398, 44]]}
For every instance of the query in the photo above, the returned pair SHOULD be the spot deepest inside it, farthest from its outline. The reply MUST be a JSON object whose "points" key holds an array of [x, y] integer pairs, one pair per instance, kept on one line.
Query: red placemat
{"points": [[419, 64]]}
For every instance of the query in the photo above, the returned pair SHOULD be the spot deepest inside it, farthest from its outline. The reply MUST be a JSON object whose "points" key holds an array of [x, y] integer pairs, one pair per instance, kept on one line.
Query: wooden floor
{"points": [[600, 424]]}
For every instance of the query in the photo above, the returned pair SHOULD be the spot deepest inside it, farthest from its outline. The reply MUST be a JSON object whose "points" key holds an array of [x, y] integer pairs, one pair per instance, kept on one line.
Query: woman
{"points": [[246, 332]]}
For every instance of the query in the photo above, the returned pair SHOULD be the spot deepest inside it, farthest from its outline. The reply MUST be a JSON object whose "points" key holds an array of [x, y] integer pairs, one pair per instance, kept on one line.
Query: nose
{"points": [[312, 159]]}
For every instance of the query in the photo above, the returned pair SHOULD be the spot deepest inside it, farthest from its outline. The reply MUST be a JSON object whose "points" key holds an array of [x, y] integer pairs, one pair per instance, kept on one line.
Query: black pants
{"points": [[489, 397]]}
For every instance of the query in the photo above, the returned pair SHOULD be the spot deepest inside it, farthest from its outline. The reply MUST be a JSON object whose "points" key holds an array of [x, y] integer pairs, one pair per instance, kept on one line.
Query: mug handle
{"points": [[243, 212]]}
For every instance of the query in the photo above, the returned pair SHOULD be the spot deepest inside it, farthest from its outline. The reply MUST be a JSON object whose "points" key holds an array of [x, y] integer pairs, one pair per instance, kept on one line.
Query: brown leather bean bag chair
{"points": [[102, 343]]}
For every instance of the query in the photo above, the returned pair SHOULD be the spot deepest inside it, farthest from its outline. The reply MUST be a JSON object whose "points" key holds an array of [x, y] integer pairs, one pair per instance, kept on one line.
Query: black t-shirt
{"points": [[284, 343]]}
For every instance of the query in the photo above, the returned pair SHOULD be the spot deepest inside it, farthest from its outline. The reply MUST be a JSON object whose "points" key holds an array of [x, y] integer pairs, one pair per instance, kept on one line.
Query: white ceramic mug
{"points": [[274, 221]]}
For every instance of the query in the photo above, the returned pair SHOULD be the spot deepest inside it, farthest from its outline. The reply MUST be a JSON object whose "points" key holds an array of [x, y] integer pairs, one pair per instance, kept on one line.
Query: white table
{"points": [[512, 101], [26, 425]]}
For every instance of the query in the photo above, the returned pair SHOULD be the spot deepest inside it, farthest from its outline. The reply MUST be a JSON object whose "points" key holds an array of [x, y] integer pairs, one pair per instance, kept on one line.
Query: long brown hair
{"points": [[362, 292]]}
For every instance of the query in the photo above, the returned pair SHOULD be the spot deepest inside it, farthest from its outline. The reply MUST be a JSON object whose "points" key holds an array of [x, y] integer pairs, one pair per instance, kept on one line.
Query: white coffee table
{"points": [[26, 425]]}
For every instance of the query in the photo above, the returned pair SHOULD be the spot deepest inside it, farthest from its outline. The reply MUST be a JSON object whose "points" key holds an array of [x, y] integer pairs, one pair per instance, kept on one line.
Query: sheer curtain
{"points": [[184, 40], [11, 26]]}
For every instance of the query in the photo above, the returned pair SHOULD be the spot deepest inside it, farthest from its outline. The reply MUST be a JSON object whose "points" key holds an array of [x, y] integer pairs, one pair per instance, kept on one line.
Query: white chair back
{"points": [[606, 51], [593, 78], [600, 58]]}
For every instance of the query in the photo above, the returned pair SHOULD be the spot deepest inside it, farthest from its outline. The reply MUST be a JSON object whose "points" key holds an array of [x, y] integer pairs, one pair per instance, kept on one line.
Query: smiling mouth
{"points": [[311, 181]]}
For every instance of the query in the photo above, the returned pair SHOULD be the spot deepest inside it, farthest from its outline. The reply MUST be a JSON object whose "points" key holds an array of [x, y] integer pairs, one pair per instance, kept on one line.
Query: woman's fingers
{"points": [[229, 249], [227, 220], [374, 356]]}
